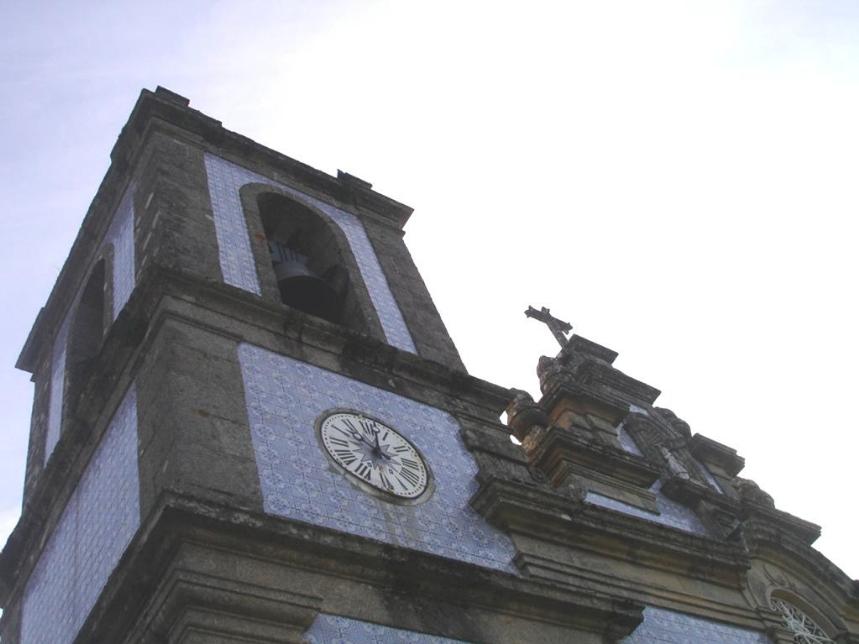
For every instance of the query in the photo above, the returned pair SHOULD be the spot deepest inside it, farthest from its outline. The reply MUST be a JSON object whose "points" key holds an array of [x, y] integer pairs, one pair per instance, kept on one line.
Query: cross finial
{"points": [[559, 328]]}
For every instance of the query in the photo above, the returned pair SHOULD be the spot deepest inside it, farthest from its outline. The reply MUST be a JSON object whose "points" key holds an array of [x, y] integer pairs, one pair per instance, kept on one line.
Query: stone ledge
{"points": [[561, 453], [568, 521], [707, 451], [189, 603], [212, 555]]}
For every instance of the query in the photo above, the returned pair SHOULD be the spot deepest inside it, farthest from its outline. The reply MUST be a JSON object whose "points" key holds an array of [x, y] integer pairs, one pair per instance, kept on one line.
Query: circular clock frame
{"points": [[361, 483]]}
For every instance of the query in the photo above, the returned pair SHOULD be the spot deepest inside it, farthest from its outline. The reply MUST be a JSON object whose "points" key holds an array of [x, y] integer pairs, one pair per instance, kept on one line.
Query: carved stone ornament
{"points": [[549, 371], [750, 491], [778, 578], [523, 414], [677, 424]]}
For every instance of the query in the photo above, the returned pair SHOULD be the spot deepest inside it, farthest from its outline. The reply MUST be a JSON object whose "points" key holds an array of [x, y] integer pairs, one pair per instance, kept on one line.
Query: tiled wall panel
{"points": [[285, 397], [662, 626], [627, 442], [237, 261], [671, 513], [93, 532], [108, 504], [50, 598], [121, 236], [58, 387], [330, 629]]}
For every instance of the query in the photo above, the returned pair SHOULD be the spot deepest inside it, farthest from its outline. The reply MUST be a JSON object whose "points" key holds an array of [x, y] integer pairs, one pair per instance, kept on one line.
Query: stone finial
{"points": [[749, 491], [677, 424], [548, 371], [523, 414]]}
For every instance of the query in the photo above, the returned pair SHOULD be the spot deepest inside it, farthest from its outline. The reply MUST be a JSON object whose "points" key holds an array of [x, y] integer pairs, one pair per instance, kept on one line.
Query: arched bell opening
{"points": [[88, 326], [309, 264]]}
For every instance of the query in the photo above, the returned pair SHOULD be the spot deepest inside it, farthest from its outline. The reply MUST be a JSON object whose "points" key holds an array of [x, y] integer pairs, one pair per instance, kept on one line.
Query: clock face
{"points": [[375, 454]]}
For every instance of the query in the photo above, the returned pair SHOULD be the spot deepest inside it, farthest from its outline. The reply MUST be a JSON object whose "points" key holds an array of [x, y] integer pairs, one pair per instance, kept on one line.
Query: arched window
{"points": [[803, 628], [309, 265], [87, 330]]}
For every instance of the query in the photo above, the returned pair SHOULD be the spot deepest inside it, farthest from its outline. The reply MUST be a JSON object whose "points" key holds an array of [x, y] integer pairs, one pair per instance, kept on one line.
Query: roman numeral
{"points": [[402, 448], [410, 476], [363, 470], [345, 431], [388, 485], [351, 426], [369, 427], [346, 456], [338, 441], [411, 464], [350, 431], [403, 484]]}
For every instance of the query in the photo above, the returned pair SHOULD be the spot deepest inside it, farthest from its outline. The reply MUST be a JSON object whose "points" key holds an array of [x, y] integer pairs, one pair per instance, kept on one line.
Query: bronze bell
{"points": [[300, 287]]}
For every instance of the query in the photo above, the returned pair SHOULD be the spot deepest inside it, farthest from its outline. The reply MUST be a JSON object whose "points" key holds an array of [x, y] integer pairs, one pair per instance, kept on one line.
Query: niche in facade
{"points": [[311, 262]]}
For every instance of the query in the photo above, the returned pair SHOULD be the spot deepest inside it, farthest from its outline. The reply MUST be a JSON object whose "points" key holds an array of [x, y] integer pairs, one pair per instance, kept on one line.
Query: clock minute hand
{"points": [[356, 433]]}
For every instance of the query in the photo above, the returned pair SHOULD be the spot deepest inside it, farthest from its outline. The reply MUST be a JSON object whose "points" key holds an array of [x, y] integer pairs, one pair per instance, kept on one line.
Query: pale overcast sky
{"points": [[677, 179]]}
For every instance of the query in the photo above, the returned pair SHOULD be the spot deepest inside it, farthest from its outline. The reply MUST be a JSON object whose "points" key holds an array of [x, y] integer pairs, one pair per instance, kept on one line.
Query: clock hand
{"points": [[378, 448], [356, 433]]}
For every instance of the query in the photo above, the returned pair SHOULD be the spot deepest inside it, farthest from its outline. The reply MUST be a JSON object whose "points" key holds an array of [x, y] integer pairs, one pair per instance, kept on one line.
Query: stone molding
{"points": [[560, 453], [567, 520], [199, 562], [191, 606]]}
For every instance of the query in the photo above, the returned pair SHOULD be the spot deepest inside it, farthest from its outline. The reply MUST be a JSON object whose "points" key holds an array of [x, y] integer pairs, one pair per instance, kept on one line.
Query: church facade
{"points": [[251, 425]]}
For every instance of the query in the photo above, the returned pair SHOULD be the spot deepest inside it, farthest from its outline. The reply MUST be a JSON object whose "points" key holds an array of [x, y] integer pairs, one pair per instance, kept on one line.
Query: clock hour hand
{"points": [[377, 448]]}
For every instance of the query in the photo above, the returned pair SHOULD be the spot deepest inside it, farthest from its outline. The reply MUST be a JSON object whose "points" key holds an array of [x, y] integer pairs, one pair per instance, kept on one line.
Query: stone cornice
{"points": [[779, 523], [563, 388], [567, 520], [591, 364], [561, 451], [709, 451], [286, 326], [169, 107], [180, 520], [765, 539]]}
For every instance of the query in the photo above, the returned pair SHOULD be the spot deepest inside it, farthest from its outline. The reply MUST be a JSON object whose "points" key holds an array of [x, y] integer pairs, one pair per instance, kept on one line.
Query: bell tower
{"points": [[251, 425]]}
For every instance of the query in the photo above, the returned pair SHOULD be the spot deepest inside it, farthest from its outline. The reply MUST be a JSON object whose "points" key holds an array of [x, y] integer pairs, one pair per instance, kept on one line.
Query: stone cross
{"points": [[559, 328]]}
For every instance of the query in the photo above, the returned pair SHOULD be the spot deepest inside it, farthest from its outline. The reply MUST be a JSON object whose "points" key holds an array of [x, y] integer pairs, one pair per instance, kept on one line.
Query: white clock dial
{"points": [[374, 454]]}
